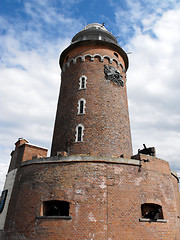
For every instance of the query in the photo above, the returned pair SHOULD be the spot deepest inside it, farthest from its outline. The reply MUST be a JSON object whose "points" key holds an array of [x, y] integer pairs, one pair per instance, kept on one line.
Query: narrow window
{"points": [[82, 82], [151, 211], [55, 208], [79, 133], [81, 106], [3, 200]]}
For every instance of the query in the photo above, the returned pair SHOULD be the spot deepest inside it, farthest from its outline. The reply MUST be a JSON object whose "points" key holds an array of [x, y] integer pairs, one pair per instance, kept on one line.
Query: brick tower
{"points": [[91, 187], [92, 114]]}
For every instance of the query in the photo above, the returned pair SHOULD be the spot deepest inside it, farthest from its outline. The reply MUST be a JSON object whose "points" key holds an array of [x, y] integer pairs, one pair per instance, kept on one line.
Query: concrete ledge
{"points": [[54, 217], [151, 220], [79, 158]]}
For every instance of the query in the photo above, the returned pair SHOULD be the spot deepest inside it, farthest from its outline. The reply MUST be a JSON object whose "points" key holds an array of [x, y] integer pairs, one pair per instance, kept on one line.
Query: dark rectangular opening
{"points": [[56, 208], [152, 211], [83, 82], [79, 134], [81, 107], [3, 200]]}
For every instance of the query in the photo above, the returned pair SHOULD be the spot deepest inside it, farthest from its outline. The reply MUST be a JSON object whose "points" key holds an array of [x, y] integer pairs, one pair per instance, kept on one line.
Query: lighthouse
{"points": [[91, 187], [92, 114]]}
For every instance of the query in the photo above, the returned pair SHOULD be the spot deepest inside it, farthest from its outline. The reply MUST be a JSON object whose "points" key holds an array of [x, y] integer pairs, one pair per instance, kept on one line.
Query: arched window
{"points": [[81, 106], [151, 211], [55, 208], [79, 133], [82, 82]]}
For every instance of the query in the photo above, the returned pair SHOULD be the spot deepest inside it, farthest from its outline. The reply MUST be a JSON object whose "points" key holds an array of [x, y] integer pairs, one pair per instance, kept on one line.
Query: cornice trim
{"points": [[92, 57]]}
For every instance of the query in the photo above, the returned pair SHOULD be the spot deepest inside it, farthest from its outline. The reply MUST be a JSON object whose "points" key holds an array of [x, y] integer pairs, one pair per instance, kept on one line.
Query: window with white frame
{"points": [[81, 106], [82, 82], [79, 133]]}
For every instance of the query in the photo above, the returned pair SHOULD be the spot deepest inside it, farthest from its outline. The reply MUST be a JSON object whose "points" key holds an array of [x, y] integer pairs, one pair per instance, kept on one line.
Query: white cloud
{"points": [[154, 87], [28, 99], [139, 15], [30, 76]]}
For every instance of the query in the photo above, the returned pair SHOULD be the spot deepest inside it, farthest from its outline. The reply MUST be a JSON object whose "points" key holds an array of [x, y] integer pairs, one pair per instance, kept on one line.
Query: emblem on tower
{"points": [[113, 75]]}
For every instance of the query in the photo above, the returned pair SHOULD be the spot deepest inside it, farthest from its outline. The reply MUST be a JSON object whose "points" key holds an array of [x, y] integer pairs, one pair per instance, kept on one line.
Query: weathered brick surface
{"points": [[176, 193], [24, 152], [105, 201], [106, 122], [30, 151]]}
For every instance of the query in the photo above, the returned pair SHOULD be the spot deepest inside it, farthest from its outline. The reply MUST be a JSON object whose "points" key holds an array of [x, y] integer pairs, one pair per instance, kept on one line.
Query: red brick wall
{"points": [[105, 201], [176, 193], [24, 152], [106, 122], [31, 151]]}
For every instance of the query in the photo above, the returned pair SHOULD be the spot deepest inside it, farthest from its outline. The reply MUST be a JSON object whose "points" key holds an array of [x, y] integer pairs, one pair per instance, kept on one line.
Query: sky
{"points": [[33, 33]]}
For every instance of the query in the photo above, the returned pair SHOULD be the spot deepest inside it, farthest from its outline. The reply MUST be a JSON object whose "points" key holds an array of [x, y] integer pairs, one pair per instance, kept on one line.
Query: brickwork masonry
{"points": [[106, 120], [105, 196]]}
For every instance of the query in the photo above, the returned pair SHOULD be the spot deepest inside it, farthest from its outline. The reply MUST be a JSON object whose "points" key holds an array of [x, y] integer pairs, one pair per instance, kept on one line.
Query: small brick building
{"points": [[91, 187]]}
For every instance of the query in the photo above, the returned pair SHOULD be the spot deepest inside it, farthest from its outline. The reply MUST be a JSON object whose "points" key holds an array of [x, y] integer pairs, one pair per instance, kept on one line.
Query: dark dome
{"points": [[95, 31]]}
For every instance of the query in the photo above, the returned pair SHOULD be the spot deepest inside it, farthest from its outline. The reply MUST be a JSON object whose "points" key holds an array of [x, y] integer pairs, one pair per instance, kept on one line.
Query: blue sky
{"points": [[34, 32]]}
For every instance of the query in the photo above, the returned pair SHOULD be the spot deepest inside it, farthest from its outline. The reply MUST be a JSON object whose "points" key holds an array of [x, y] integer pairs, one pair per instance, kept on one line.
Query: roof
{"points": [[95, 31]]}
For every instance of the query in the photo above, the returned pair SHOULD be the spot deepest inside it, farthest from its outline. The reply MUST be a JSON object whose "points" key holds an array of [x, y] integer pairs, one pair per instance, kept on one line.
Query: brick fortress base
{"points": [[105, 195]]}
